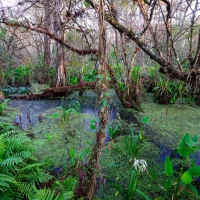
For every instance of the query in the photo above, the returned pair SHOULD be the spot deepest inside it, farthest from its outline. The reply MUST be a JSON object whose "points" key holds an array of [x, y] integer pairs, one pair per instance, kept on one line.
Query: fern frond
{"points": [[22, 154], [2, 147], [6, 197], [69, 183], [9, 162], [31, 167], [43, 177], [26, 189], [9, 133], [67, 195], [34, 174], [45, 194], [16, 142], [4, 120], [5, 181]]}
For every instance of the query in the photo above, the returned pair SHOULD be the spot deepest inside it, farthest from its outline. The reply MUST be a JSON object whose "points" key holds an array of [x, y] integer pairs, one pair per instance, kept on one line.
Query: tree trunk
{"points": [[58, 32], [47, 39], [103, 112]]}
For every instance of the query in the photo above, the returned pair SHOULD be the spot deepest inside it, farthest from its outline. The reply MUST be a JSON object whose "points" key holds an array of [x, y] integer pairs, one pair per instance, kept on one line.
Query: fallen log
{"points": [[56, 91]]}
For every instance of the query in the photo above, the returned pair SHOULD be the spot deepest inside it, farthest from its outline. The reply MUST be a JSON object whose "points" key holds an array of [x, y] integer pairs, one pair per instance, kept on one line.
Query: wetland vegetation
{"points": [[99, 100]]}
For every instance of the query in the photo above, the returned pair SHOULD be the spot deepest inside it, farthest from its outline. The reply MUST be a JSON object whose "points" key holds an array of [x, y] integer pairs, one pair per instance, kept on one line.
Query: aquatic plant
{"points": [[67, 109], [181, 180], [112, 131], [129, 192], [132, 143]]}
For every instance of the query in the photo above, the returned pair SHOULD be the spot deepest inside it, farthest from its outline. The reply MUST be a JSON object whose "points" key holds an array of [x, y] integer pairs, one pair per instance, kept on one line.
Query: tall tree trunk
{"points": [[58, 32], [103, 112], [47, 39]]}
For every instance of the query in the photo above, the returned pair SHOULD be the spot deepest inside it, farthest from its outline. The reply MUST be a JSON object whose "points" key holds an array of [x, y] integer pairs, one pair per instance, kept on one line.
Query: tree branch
{"points": [[52, 36]]}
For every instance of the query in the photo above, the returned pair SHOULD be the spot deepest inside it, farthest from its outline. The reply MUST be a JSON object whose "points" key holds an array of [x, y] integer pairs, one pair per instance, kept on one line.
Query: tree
{"points": [[47, 41], [60, 54], [93, 165], [168, 57]]}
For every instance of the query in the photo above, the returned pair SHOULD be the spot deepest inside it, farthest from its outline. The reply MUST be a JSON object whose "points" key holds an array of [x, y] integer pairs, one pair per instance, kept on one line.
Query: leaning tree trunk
{"points": [[60, 58], [103, 112]]}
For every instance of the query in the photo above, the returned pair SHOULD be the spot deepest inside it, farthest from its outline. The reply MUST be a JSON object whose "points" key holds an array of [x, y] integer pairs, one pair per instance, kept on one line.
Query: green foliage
{"points": [[76, 159], [69, 109], [129, 192], [167, 91], [22, 73], [89, 75], [168, 167], [3, 33], [4, 107], [153, 73], [19, 170], [136, 73], [86, 4], [132, 143], [183, 177], [112, 131], [21, 174], [121, 86], [93, 124]]}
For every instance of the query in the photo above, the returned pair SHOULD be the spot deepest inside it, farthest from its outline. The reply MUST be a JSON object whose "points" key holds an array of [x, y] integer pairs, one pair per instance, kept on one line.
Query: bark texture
{"points": [[47, 40], [103, 112], [60, 55]]}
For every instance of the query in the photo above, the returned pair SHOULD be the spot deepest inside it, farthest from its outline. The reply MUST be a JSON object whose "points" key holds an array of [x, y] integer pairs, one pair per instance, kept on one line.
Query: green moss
{"points": [[54, 138]]}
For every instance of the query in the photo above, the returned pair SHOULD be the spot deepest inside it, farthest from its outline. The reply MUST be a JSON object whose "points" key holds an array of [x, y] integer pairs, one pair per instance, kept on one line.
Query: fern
{"points": [[26, 189], [67, 195], [9, 162], [45, 194], [20, 171], [4, 120], [43, 177], [36, 177], [5, 181], [2, 147], [22, 154]]}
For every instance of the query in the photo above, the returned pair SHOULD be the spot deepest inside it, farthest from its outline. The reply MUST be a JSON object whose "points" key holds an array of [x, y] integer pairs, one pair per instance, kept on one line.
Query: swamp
{"points": [[99, 99]]}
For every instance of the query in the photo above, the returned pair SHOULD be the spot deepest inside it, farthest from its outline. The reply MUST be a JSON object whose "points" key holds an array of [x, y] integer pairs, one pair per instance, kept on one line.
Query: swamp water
{"points": [[54, 139]]}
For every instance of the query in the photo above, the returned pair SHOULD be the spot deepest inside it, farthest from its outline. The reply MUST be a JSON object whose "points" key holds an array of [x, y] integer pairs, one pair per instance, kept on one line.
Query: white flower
{"points": [[140, 165]]}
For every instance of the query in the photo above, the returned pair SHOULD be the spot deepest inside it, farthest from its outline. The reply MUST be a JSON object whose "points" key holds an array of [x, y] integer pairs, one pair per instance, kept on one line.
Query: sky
{"points": [[8, 2]]}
